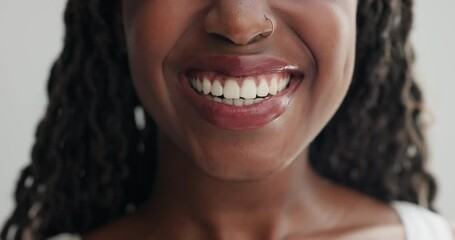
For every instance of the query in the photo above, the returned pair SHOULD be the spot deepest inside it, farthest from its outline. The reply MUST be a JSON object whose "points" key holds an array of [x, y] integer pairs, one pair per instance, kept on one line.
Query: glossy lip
{"points": [[247, 117], [240, 66]]}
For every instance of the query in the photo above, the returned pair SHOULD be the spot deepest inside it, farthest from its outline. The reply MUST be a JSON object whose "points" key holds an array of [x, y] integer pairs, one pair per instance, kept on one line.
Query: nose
{"points": [[240, 22]]}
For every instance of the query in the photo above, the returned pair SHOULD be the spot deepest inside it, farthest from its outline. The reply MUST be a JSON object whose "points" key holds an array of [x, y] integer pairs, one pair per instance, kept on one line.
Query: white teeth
{"points": [[232, 94], [199, 85], [217, 89], [263, 88], [248, 90], [273, 87], [258, 100], [280, 85], [248, 102], [231, 89], [193, 83], [238, 102], [206, 86], [228, 101]]}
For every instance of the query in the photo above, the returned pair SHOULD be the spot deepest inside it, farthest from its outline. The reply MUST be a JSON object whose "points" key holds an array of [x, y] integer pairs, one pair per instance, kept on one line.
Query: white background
{"points": [[31, 37]]}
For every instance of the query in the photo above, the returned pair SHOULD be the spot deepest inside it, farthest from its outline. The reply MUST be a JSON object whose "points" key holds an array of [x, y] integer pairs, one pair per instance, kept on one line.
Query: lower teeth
{"points": [[235, 102]]}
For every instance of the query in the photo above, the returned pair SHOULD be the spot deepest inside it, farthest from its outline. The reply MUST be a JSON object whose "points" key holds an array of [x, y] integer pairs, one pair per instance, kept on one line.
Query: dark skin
{"points": [[218, 184], [308, 208]]}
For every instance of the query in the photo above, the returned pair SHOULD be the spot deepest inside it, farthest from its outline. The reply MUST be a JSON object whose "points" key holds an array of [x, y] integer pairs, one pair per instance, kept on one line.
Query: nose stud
{"points": [[269, 32], [238, 26]]}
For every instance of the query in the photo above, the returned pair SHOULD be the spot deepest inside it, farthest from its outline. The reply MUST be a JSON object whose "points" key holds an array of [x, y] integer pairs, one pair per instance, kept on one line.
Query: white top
{"points": [[419, 224], [65, 237]]}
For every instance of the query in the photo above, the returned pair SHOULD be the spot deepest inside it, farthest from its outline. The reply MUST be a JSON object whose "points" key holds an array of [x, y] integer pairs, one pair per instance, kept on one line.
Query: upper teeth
{"points": [[245, 87]]}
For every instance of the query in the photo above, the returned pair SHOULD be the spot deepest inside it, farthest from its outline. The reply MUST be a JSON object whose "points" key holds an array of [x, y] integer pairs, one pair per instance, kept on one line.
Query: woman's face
{"points": [[270, 73]]}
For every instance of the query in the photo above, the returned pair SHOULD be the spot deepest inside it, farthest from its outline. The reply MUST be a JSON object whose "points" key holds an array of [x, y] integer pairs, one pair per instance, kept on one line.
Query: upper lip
{"points": [[242, 65]]}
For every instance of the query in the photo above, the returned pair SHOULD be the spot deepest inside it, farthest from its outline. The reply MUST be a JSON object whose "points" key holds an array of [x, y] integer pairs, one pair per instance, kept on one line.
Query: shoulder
{"points": [[360, 225]]}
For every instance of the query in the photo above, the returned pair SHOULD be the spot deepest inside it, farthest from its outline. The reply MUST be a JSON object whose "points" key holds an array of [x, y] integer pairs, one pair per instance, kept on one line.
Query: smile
{"points": [[238, 91]]}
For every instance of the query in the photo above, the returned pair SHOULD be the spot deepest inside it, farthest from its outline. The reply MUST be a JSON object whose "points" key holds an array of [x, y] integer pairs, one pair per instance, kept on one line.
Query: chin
{"points": [[248, 158]]}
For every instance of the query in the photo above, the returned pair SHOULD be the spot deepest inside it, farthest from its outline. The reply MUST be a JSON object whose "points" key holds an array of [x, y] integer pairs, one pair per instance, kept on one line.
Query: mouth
{"points": [[240, 93]]}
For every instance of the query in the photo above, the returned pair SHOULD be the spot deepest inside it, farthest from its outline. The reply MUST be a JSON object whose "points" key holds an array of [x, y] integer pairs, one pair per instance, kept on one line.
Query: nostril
{"points": [[228, 40], [222, 38]]}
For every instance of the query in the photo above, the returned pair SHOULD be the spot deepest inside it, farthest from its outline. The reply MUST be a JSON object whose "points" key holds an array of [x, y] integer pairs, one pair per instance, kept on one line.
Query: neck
{"points": [[220, 208]]}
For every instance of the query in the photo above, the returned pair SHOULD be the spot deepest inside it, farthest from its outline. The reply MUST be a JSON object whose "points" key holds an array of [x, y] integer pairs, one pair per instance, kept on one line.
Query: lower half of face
{"points": [[241, 87]]}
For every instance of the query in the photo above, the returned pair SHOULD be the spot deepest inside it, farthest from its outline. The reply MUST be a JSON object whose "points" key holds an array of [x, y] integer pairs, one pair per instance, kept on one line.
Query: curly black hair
{"points": [[93, 159]]}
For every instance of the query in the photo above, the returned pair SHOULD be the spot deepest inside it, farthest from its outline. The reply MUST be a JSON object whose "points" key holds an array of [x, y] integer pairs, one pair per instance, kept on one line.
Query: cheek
{"points": [[328, 30], [150, 36], [335, 60]]}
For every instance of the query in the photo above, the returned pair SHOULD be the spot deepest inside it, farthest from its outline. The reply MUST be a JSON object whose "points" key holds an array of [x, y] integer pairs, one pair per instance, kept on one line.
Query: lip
{"points": [[247, 117], [242, 65]]}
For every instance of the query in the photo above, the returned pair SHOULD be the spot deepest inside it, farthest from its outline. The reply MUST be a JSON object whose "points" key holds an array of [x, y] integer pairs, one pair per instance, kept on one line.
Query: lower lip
{"points": [[240, 118]]}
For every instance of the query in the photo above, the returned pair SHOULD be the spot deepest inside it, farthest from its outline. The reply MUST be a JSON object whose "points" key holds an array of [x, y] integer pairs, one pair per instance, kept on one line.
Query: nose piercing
{"points": [[266, 34]]}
